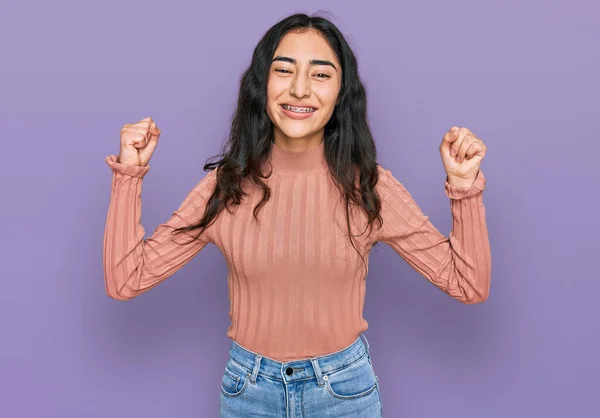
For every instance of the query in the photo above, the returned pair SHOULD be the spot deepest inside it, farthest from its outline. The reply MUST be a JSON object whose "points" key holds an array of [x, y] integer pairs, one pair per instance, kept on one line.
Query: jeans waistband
{"points": [[312, 367]]}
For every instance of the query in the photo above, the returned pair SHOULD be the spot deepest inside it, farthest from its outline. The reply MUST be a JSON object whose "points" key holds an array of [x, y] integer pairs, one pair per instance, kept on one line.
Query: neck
{"points": [[304, 161]]}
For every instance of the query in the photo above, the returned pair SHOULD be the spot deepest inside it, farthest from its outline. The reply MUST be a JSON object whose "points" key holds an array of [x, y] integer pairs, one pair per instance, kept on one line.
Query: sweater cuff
{"points": [[129, 170], [477, 187]]}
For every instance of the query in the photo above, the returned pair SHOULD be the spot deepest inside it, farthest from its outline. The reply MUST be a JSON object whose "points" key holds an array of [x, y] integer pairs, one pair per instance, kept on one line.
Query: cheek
{"points": [[328, 95], [275, 88]]}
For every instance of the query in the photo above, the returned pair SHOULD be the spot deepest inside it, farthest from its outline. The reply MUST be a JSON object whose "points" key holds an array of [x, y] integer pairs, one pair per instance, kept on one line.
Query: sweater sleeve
{"points": [[460, 264], [134, 264]]}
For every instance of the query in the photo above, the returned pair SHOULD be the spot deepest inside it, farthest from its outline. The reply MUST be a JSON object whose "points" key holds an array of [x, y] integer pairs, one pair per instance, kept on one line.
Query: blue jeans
{"points": [[339, 384]]}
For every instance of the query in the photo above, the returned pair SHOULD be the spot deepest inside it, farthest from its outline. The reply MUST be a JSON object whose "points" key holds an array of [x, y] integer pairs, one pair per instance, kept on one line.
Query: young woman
{"points": [[295, 204]]}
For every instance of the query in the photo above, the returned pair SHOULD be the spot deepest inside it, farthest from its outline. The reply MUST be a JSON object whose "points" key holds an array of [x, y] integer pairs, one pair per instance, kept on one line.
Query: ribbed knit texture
{"points": [[296, 284]]}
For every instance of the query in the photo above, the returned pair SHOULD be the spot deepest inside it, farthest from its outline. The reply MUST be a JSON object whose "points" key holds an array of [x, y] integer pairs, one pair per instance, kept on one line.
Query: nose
{"points": [[300, 86]]}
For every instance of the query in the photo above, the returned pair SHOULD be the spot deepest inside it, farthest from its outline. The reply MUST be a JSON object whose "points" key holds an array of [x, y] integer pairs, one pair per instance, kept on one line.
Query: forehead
{"points": [[304, 46]]}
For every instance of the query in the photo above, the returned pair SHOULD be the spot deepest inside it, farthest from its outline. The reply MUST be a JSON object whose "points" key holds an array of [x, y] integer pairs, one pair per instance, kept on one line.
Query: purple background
{"points": [[522, 75]]}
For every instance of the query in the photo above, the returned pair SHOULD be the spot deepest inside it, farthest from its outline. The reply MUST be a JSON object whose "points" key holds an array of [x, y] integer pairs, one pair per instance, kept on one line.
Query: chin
{"points": [[297, 132], [298, 135]]}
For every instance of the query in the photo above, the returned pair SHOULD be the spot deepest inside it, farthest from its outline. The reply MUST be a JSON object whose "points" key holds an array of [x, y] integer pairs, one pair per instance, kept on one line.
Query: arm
{"points": [[132, 264], [459, 265]]}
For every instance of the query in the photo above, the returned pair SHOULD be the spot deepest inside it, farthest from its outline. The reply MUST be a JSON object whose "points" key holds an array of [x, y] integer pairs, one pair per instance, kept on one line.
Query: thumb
{"points": [[148, 150]]}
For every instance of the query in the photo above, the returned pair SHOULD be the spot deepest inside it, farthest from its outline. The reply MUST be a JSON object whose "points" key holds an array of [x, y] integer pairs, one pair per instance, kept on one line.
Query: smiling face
{"points": [[304, 82]]}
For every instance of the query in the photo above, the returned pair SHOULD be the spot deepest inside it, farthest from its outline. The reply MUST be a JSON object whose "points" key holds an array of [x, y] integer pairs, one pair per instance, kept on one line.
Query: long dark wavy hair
{"points": [[349, 147]]}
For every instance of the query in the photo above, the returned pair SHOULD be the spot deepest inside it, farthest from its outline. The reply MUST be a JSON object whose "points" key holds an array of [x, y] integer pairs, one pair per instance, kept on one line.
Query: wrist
{"points": [[460, 183]]}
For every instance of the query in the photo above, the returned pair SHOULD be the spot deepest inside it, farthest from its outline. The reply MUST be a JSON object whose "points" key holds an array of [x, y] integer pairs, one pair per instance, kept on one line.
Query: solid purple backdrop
{"points": [[522, 75]]}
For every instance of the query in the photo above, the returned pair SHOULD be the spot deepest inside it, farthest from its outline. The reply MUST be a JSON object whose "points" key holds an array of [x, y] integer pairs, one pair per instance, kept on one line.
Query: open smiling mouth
{"points": [[296, 109]]}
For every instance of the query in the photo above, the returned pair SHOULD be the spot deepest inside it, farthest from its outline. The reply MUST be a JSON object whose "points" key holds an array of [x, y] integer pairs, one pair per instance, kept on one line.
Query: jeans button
{"points": [[289, 371]]}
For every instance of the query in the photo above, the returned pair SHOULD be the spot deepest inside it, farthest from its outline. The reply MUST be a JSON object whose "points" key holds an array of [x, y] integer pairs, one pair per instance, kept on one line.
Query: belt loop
{"points": [[257, 359], [317, 369], [366, 343]]}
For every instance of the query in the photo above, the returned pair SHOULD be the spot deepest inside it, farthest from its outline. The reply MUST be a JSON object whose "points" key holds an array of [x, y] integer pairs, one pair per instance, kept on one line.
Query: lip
{"points": [[297, 116]]}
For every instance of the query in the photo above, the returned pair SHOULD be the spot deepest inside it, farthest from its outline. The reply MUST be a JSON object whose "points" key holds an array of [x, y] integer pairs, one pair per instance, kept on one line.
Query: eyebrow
{"points": [[312, 62]]}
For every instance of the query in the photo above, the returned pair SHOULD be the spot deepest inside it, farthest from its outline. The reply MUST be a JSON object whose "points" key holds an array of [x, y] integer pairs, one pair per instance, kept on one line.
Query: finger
{"points": [[460, 133], [448, 138], [155, 129], [478, 148], [446, 142], [154, 135], [472, 150], [455, 136], [143, 124], [136, 129], [464, 146], [137, 140], [148, 126], [454, 147], [146, 134]]}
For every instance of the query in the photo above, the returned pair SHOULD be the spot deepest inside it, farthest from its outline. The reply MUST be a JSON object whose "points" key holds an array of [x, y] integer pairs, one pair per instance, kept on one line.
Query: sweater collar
{"points": [[298, 162]]}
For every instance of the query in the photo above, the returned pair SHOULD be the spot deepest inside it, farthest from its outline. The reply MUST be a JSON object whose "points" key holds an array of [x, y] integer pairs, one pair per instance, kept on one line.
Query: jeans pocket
{"points": [[353, 381], [235, 379]]}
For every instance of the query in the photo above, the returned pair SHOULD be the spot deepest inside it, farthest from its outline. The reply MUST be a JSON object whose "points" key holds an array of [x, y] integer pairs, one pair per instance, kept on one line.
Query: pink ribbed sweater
{"points": [[296, 284]]}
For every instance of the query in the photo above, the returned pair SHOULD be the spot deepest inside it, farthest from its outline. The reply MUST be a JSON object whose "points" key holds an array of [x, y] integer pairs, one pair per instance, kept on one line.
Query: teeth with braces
{"points": [[299, 109]]}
